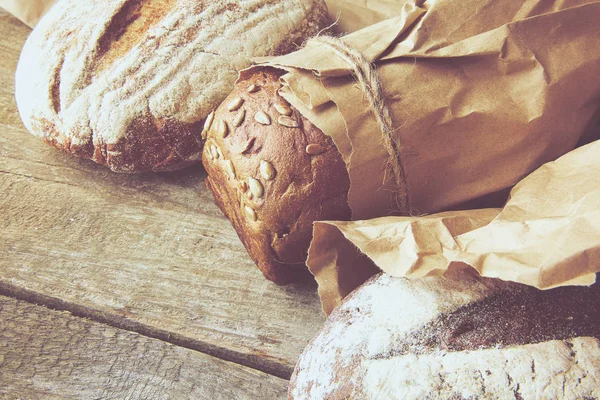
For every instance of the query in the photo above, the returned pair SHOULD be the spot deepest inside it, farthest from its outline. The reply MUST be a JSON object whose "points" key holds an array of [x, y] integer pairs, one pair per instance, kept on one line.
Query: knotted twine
{"points": [[366, 75]]}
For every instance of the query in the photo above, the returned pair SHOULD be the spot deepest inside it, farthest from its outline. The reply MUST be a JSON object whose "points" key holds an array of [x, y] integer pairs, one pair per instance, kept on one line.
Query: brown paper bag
{"points": [[28, 11], [480, 92], [547, 235], [352, 15]]}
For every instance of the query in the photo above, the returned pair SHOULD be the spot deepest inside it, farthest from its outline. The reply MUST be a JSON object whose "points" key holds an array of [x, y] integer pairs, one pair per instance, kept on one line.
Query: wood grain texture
{"points": [[146, 252], [46, 354]]}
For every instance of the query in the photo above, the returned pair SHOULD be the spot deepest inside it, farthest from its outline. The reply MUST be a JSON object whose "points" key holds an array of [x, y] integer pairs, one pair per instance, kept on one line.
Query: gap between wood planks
{"points": [[254, 362]]}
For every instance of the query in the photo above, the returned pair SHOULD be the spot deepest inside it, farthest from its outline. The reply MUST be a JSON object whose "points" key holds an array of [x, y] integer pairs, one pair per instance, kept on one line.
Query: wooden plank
{"points": [[47, 354], [148, 251]]}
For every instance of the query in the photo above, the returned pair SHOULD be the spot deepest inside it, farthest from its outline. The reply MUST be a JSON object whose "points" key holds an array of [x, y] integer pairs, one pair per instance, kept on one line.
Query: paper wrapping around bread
{"points": [[481, 92], [128, 83], [547, 235]]}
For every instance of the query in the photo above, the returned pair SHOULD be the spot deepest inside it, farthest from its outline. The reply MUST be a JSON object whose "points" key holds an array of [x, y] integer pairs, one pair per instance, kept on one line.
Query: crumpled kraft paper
{"points": [[547, 235], [482, 93], [478, 103], [352, 15], [28, 11]]}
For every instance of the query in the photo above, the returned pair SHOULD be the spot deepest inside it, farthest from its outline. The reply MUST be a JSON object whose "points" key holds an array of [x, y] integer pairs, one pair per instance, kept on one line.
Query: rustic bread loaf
{"points": [[128, 83], [273, 173], [456, 337]]}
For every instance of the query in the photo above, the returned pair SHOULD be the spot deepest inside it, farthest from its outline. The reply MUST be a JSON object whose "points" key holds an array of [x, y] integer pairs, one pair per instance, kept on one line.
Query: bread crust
{"points": [[455, 337], [128, 83], [308, 179]]}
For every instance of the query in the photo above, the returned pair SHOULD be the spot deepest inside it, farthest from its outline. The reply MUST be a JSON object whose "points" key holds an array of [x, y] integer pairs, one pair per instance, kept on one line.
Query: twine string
{"points": [[366, 75]]}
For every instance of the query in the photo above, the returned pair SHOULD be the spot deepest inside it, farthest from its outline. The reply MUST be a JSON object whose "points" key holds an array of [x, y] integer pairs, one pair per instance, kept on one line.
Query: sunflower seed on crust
{"points": [[239, 118], [266, 170], [222, 128], [250, 213], [207, 123], [287, 121], [256, 187], [262, 118], [313, 149], [252, 88], [213, 151], [230, 169], [235, 104], [282, 109]]}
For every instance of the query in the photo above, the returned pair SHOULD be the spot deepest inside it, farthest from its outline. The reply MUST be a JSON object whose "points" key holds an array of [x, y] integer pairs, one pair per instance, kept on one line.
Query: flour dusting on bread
{"points": [[129, 83]]}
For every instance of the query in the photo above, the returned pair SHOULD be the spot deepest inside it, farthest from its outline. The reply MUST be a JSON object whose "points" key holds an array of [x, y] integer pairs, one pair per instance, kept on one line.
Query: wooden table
{"points": [[117, 286]]}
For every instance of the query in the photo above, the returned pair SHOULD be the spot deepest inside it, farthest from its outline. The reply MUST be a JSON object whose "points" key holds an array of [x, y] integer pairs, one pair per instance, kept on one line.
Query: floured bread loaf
{"points": [[128, 83], [273, 173], [459, 337]]}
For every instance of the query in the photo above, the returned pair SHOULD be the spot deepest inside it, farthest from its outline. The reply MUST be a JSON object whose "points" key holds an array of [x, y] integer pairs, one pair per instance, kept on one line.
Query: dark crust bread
{"points": [[128, 84], [276, 228], [462, 337], [149, 145]]}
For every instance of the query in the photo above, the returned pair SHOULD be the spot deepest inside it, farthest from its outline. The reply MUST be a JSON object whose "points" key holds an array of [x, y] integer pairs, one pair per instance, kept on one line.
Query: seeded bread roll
{"points": [[455, 337], [273, 174], [128, 83]]}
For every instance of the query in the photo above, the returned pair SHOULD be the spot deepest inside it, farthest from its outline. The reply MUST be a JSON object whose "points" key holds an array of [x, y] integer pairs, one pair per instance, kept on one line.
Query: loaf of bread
{"points": [[427, 113], [128, 83], [455, 337], [273, 173]]}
